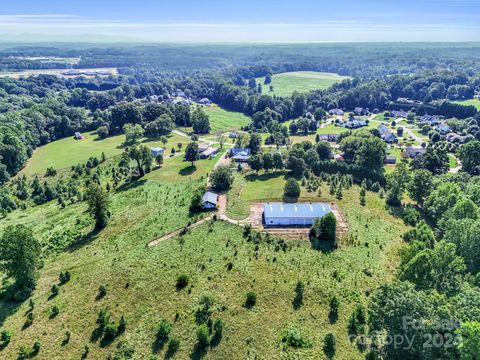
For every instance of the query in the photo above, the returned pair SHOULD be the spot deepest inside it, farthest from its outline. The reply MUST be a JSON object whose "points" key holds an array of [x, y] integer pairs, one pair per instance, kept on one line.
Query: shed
{"points": [[78, 136], [208, 152], [156, 151], [298, 214], [209, 200], [390, 160]]}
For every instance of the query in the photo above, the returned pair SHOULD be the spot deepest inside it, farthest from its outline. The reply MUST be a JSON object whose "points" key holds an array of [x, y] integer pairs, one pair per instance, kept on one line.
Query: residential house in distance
{"points": [[181, 94], [414, 152], [386, 134], [338, 157], [240, 154], [337, 112], [443, 129], [233, 135], [399, 114], [430, 120], [355, 123], [456, 138], [351, 123], [206, 151], [360, 111], [156, 151], [78, 136], [204, 101], [209, 200], [299, 214], [329, 137]]}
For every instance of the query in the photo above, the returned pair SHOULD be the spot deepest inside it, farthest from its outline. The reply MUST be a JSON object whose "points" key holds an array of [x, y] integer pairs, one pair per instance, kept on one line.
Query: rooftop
{"points": [[210, 197], [297, 210]]}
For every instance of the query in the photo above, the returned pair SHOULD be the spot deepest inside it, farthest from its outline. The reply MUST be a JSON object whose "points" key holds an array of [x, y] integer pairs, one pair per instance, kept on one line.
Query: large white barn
{"points": [[299, 214]]}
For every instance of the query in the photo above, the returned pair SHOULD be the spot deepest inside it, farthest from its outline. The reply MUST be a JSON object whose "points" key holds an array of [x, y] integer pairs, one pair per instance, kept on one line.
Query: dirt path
{"points": [[178, 231]]}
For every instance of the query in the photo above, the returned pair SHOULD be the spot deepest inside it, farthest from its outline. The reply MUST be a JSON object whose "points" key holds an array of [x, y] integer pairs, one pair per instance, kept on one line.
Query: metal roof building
{"points": [[299, 214], [209, 200]]}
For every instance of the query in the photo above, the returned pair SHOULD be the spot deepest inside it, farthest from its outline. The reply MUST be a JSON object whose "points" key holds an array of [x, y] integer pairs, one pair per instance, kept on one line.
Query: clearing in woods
{"points": [[285, 84], [223, 120]]}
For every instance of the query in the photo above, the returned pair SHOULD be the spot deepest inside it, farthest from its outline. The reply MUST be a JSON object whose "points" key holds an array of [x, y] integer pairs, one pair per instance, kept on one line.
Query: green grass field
{"points": [[140, 280], [302, 81], [175, 169], [66, 152], [223, 120], [474, 102]]}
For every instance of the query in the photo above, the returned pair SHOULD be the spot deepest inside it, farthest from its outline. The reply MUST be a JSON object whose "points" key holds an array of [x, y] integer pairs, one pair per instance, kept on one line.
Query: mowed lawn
{"points": [[176, 169], [223, 120], [67, 152], [474, 102], [285, 84]]}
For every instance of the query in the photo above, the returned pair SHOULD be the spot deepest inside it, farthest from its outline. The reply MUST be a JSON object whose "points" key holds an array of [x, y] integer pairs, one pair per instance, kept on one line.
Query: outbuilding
{"points": [[156, 151], [209, 200], [298, 214]]}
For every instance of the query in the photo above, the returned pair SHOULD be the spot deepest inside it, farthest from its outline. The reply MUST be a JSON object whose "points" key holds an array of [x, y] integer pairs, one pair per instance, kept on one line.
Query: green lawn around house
{"points": [[67, 152]]}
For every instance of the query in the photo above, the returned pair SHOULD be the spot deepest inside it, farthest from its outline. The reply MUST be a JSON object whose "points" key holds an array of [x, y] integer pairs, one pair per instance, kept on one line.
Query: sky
{"points": [[240, 20]]}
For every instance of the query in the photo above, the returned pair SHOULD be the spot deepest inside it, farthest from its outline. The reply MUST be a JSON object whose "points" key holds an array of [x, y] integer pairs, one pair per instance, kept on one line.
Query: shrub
{"points": [[334, 305], [164, 329], [37, 345], [293, 338], [173, 346], [182, 281], [298, 300], [204, 309], [196, 202], [357, 320], [111, 330], [68, 335], [102, 291], [103, 319], [23, 352], [329, 346], [411, 216], [55, 290], [218, 328], [203, 336], [122, 325], [291, 189], [251, 299], [50, 172], [5, 337], [64, 277], [55, 311]]}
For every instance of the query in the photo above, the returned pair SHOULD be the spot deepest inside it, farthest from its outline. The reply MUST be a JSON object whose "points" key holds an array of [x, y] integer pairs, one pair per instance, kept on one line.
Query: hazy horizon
{"points": [[268, 21]]}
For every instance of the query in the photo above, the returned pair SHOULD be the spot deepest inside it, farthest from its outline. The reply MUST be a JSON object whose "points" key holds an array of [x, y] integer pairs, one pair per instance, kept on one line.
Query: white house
{"points": [[298, 214]]}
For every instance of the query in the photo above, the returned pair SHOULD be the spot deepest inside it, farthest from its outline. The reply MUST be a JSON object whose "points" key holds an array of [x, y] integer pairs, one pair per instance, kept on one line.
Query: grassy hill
{"points": [[474, 102], [67, 152], [223, 120], [302, 81], [219, 261]]}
